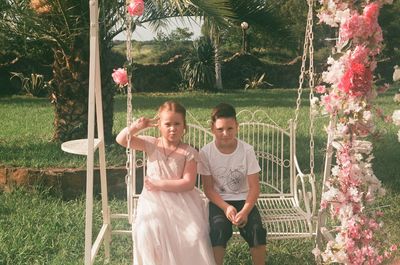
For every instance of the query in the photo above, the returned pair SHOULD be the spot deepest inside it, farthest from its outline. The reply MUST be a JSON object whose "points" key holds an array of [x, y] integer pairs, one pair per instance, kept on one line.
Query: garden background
{"points": [[43, 87]]}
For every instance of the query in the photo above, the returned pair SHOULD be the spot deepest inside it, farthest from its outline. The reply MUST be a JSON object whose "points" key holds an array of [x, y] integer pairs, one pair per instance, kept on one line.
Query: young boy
{"points": [[229, 170]]}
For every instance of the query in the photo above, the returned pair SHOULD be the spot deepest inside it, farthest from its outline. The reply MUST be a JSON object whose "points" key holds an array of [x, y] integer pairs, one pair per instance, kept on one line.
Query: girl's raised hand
{"points": [[143, 123]]}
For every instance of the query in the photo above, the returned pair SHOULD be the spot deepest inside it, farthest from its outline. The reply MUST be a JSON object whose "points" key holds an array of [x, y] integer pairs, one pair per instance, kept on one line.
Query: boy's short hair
{"points": [[223, 110]]}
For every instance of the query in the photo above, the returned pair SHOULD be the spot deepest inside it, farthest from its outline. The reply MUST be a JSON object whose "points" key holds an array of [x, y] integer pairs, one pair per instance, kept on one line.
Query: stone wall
{"points": [[158, 77], [239, 67], [70, 182]]}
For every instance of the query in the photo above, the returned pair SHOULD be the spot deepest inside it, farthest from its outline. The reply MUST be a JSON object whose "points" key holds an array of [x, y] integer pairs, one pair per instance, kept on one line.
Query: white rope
{"points": [[130, 177]]}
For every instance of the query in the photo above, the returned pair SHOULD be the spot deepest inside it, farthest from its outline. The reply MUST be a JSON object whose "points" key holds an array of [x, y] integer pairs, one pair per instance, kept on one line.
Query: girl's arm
{"points": [[135, 142], [186, 183]]}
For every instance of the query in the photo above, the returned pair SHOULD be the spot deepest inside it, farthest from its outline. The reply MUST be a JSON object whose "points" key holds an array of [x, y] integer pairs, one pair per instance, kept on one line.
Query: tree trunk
{"points": [[70, 95], [217, 58]]}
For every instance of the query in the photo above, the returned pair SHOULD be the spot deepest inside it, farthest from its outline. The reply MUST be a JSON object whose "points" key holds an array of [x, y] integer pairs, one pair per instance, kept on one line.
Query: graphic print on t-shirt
{"points": [[230, 179]]}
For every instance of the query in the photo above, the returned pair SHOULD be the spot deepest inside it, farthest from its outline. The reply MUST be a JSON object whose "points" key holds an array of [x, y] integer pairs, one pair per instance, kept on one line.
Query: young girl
{"points": [[171, 226]]}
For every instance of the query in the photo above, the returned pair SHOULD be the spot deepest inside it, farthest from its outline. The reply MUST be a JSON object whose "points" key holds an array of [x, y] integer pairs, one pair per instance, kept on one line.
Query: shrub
{"points": [[256, 82], [198, 68], [35, 85]]}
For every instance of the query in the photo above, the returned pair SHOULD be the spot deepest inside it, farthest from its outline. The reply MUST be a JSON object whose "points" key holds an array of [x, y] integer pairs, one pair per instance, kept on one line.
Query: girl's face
{"points": [[171, 125], [225, 130]]}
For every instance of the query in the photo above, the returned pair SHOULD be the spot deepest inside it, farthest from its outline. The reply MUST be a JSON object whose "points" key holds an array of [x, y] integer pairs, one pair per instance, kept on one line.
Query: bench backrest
{"points": [[274, 147]]}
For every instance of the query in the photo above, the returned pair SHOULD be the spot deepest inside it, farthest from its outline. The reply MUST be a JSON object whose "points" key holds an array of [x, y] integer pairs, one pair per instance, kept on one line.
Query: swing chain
{"points": [[311, 85], [308, 49]]}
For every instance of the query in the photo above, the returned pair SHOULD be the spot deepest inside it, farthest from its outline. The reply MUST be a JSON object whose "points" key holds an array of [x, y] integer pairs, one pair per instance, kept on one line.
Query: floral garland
{"points": [[396, 113], [120, 75], [347, 94]]}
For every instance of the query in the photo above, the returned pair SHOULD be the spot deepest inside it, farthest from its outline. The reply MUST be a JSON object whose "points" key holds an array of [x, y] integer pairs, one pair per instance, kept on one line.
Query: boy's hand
{"points": [[230, 213], [240, 219]]}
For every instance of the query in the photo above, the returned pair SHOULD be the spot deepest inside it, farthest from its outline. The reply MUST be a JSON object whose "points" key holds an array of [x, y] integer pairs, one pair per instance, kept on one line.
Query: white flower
{"points": [[370, 158], [354, 194], [396, 98], [364, 147], [314, 102], [341, 256], [335, 170], [342, 16], [396, 73], [367, 115], [330, 194], [316, 252], [396, 117], [327, 19], [358, 157], [334, 73]]}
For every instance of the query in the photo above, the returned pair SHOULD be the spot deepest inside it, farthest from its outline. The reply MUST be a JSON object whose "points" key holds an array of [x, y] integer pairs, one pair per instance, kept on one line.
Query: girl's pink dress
{"points": [[171, 228]]}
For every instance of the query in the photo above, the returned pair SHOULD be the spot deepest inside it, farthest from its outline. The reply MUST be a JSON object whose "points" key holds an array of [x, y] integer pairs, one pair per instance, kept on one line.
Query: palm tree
{"points": [[212, 29], [64, 26], [259, 14]]}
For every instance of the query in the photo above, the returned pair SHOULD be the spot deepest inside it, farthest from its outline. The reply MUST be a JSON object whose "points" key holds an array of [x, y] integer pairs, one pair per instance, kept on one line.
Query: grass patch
{"points": [[37, 227]]}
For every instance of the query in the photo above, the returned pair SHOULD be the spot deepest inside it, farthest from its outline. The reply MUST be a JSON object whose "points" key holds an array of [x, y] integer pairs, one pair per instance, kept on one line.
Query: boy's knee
{"points": [[220, 235], [255, 235]]}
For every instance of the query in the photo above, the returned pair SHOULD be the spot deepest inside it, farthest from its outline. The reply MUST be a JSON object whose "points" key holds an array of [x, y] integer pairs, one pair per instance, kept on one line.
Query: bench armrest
{"points": [[305, 191]]}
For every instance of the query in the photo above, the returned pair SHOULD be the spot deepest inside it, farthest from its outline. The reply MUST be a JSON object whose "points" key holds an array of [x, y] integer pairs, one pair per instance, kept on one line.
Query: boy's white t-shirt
{"points": [[229, 171]]}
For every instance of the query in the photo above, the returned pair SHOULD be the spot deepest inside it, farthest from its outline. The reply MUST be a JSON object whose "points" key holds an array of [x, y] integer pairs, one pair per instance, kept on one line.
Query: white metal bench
{"points": [[287, 201]]}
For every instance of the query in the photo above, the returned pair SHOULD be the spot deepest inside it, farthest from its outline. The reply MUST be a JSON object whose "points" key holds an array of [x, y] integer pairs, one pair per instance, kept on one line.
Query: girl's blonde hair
{"points": [[174, 107]]}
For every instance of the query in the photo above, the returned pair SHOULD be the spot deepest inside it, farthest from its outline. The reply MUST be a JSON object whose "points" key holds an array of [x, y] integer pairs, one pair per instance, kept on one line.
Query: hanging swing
{"points": [[287, 202]]}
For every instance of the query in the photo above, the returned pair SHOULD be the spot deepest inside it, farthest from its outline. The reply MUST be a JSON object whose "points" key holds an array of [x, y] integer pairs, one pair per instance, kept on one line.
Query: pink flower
{"points": [[120, 77], [357, 80], [136, 7], [379, 213], [371, 13], [383, 88], [393, 247], [320, 89], [360, 54], [354, 27], [373, 225], [368, 234]]}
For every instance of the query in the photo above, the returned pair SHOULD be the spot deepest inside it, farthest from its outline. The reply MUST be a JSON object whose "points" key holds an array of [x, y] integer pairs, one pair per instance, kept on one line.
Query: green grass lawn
{"points": [[38, 227]]}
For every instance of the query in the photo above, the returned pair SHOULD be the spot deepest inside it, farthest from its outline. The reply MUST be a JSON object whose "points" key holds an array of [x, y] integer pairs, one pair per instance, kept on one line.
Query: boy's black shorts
{"points": [[221, 228]]}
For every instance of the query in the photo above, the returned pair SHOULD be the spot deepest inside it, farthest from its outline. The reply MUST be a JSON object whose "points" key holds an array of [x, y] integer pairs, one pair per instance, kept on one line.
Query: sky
{"points": [[144, 32]]}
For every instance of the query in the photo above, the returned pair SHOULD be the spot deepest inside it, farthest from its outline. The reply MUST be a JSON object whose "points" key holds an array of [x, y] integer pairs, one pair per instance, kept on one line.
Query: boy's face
{"points": [[225, 130]]}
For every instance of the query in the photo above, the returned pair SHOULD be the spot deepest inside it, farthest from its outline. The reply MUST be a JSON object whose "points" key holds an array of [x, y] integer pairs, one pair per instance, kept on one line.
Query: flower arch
{"points": [[347, 94]]}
